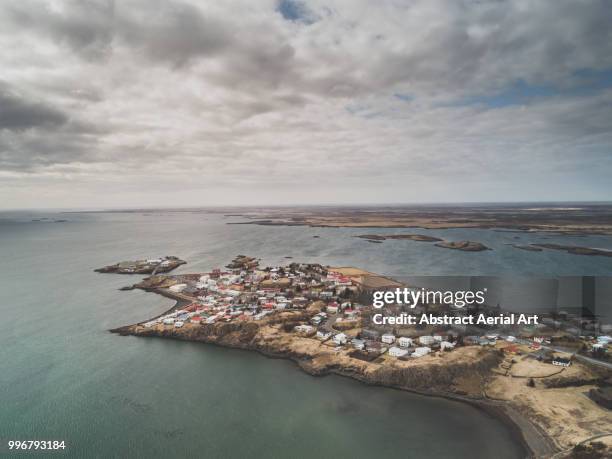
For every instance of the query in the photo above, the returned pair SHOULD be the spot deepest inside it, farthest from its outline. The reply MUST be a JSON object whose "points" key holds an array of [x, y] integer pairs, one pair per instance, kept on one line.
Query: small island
{"points": [[466, 246], [148, 266], [411, 237]]}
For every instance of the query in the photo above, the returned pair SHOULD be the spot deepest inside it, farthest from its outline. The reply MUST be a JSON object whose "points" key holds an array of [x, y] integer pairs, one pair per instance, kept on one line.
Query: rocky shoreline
{"points": [[429, 379]]}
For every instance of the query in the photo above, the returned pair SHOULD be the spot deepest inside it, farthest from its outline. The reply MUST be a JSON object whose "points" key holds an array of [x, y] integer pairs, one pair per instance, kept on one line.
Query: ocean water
{"points": [[63, 376]]}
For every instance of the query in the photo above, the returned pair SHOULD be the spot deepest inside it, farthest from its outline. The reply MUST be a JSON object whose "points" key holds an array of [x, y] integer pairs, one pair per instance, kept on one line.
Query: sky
{"points": [[151, 103]]}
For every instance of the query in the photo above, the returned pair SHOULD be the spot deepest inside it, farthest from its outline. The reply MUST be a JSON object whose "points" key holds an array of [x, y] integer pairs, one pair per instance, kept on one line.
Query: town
{"points": [[335, 306]]}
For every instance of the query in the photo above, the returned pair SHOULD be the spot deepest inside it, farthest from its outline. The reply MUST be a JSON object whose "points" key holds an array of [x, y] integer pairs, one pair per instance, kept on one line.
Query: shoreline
{"points": [[533, 440]]}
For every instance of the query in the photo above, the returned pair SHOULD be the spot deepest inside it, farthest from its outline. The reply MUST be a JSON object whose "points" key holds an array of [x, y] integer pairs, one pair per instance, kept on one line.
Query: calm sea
{"points": [[64, 377]]}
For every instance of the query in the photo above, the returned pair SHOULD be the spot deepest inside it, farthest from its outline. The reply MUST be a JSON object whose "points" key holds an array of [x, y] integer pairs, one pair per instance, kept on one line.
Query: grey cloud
{"points": [[167, 31], [85, 26], [18, 113], [175, 33]]}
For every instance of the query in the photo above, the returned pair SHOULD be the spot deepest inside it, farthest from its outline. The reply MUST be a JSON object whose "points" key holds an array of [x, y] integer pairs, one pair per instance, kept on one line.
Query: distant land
{"points": [[575, 219]]}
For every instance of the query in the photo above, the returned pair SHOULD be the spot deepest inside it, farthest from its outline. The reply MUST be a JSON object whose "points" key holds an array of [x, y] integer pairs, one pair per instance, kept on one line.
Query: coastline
{"points": [[535, 442]]}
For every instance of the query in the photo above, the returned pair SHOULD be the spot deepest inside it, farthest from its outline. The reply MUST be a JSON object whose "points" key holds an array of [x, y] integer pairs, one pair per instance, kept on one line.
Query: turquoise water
{"points": [[64, 377]]}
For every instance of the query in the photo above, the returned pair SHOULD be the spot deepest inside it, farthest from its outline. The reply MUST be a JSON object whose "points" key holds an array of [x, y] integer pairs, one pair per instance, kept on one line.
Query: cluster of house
{"points": [[245, 292], [373, 342], [248, 293]]}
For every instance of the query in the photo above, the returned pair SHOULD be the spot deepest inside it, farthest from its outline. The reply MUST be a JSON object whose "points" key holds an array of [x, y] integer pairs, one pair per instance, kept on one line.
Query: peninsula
{"points": [[321, 318]]}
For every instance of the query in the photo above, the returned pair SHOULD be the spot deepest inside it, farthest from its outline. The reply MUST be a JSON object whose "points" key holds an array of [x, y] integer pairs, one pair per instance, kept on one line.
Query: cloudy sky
{"points": [[151, 103]]}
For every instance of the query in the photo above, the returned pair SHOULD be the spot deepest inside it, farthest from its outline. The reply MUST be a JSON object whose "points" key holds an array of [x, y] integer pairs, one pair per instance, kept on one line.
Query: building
{"points": [[358, 343], [421, 351], [397, 352], [446, 345], [388, 338], [561, 362], [426, 340], [404, 341], [340, 339], [323, 335], [306, 329]]}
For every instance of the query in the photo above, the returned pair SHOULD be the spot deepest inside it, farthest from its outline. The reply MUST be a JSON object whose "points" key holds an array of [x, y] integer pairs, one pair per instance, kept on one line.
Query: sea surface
{"points": [[63, 376]]}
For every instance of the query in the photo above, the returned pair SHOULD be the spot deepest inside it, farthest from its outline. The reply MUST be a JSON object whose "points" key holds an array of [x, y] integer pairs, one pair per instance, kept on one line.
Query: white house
{"points": [[169, 320], [340, 339], [316, 320], [323, 335], [561, 362], [446, 345], [358, 343], [304, 328], [404, 341], [397, 351], [604, 339], [426, 340], [388, 338], [178, 324], [421, 351], [332, 309]]}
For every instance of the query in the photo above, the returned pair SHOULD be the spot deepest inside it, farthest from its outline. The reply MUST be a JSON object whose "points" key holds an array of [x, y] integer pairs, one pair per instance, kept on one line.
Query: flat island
{"points": [[321, 318], [410, 237], [148, 266], [466, 246]]}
